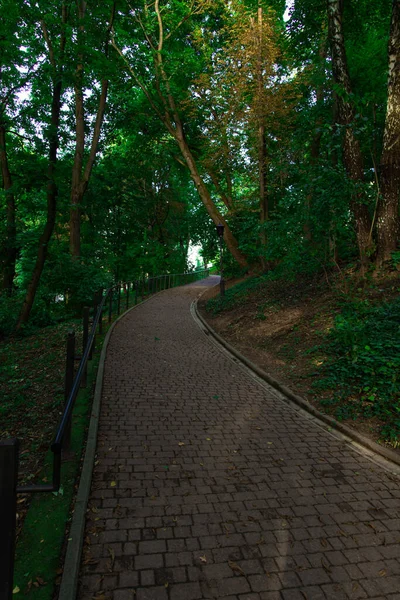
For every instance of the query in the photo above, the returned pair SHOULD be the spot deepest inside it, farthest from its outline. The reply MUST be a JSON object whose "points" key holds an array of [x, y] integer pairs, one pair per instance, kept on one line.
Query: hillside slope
{"points": [[333, 343]]}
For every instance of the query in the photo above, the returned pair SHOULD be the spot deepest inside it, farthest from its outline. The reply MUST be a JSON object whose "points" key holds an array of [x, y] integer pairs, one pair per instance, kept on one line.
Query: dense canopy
{"points": [[129, 129]]}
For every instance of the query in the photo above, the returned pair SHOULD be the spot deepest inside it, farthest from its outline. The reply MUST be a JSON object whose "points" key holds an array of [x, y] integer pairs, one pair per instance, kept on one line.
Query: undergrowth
{"points": [[237, 294], [359, 370], [362, 365]]}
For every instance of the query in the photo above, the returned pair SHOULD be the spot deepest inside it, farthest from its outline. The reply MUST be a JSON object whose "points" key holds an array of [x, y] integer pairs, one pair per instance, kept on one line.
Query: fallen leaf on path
{"points": [[181, 443], [113, 483], [16, 590], [203, 558], [325, 566], [260, 541], [235, 567], [112, 555]]}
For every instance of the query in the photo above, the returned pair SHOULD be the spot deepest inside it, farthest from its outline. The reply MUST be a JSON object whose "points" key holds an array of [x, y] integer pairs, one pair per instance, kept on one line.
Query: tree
{"points": [[160, 28], [56, 60], [80, 174], [16, 68], [387, 223], [352, 155]]}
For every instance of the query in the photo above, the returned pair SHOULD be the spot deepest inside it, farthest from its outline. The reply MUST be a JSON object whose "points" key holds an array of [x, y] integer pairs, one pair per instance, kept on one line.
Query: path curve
{"points": [[206, 485]]}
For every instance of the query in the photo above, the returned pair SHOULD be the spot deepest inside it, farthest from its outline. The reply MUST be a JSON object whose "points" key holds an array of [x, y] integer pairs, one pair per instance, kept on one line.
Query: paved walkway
{"points": [[208, 486]]}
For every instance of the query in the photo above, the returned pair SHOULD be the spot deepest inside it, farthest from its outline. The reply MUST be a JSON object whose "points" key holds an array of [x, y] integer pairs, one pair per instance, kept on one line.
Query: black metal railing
{"points": [[9, 449]]}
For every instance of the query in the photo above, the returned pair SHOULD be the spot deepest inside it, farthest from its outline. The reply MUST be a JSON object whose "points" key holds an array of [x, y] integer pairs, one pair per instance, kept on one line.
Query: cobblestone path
{"points": [[208, 486]]}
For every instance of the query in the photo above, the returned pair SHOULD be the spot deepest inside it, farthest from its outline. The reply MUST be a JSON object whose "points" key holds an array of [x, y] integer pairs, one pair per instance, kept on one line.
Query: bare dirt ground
{"points": [[280, 328]]}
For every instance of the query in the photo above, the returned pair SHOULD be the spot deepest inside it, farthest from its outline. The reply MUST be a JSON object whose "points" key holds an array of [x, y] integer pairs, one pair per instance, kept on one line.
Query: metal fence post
{"points": [[127, 296], [119, 299], [69, 380], [85, 336], [100, 321], [110, 305], [136, 292], [8, 511]]}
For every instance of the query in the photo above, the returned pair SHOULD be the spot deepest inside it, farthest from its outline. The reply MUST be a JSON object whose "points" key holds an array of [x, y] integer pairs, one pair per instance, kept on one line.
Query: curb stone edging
{"points": [[69, 582], [291, 397]]}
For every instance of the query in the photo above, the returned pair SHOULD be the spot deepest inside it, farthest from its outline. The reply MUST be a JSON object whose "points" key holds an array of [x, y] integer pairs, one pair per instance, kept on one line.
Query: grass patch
{"points": [[236, 295], [40, 543]]}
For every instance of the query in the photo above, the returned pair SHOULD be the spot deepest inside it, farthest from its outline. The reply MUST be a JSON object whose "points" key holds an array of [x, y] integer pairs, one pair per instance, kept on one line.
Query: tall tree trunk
{"points": [[173, 123], [80, 180], [76, 194], [387, 224], [352, 156], [170, 118], [52, 192], [205, 196], [262, 142], [315, 142], [11, 232]]}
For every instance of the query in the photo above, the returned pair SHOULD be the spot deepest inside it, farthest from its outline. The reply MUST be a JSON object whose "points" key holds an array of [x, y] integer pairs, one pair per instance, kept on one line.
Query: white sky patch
{"points": [[289, 6], [194, 253]]}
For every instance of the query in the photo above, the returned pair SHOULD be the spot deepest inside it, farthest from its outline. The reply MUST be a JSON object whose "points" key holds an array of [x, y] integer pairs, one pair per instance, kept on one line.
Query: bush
{"points": [[363, 364]]}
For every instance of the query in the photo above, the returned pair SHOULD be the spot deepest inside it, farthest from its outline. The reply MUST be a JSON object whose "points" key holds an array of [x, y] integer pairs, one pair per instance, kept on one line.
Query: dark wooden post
{"points": [[69, 380], [8, 510]]}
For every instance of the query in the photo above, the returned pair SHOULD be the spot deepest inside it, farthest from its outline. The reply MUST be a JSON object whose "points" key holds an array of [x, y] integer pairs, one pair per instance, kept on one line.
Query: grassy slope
{"points": [[338, 345]]}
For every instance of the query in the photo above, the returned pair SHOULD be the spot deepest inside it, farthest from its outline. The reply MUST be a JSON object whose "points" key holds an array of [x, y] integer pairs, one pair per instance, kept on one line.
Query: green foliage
{"points": [[363, 365]]}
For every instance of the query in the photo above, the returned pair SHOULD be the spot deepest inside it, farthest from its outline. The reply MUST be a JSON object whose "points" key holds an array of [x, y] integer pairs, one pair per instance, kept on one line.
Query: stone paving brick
{"points": [[221, 489], [185, 591]]}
